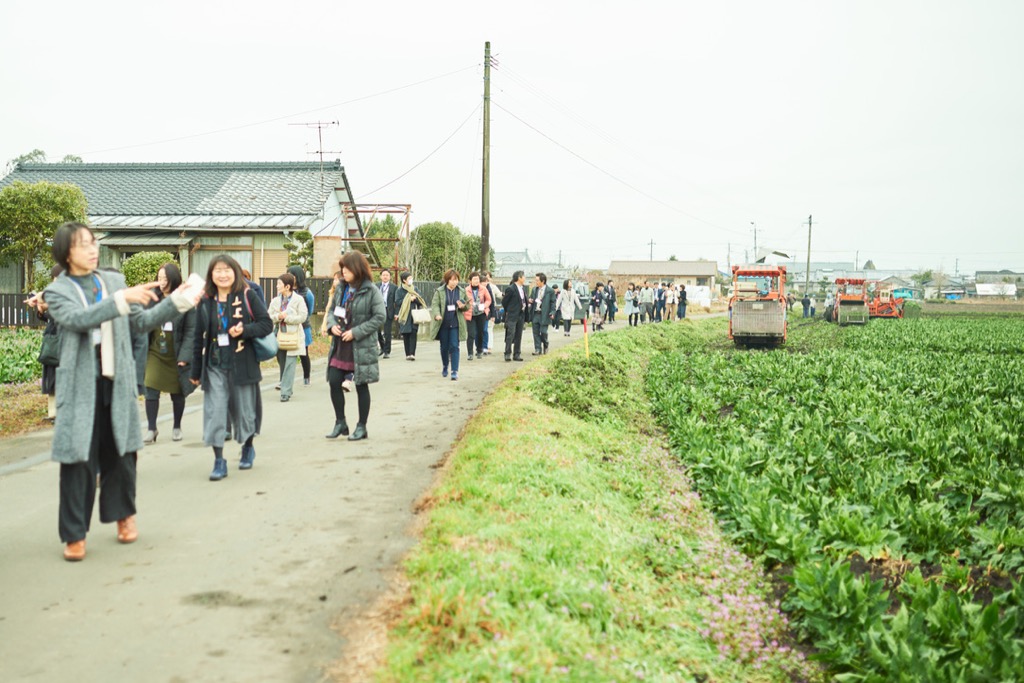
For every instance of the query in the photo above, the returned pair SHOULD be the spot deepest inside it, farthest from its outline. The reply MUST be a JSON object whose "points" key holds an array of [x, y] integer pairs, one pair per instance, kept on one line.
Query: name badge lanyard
{"points": [[97, 293], [223, 339]]}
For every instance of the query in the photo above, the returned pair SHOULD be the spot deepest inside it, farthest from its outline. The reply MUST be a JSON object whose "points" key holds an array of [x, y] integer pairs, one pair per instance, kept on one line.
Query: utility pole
{"points": [[856, 259], [652, 249], [755, 238], [485, 202], [728, 257], [807, 275]]}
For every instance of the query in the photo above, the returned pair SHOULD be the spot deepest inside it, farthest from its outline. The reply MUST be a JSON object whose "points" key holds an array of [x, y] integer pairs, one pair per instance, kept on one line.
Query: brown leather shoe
{"points": [[75, 552], [126, 531]]}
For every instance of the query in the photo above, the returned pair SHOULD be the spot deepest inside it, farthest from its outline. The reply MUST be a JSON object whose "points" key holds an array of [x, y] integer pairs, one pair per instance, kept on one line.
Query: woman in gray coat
{"points": [[355, 313], [97, 429]]}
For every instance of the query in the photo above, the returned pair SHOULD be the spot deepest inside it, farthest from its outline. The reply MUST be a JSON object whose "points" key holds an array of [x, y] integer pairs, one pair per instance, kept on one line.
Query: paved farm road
{"points": [[239, 580]]}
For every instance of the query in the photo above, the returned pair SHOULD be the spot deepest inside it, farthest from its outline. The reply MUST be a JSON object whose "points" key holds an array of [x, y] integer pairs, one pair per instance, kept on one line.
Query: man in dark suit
{"points": [[609, 295], [542, 308], [387, 290], [514, 301], [659, 301]]}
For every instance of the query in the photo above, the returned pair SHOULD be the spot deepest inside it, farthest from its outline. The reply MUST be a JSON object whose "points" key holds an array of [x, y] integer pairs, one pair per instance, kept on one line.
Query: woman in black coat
{"points": [[229, 319], [403, 313]]}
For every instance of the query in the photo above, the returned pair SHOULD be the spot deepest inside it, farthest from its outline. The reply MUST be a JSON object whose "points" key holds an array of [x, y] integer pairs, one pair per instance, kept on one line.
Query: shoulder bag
{"points": [[49, 353], [287, 339], [265, 347]]}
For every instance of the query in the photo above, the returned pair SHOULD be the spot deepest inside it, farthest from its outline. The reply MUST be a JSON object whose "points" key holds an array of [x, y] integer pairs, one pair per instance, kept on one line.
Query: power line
{"points": [[540, 94], [281, 118], [607, 137], [612, 175], [418, 163]]}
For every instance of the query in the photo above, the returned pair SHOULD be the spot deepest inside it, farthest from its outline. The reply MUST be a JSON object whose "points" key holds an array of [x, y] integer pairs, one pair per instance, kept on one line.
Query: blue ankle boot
{"points": [[220, 469], [248, 455]]}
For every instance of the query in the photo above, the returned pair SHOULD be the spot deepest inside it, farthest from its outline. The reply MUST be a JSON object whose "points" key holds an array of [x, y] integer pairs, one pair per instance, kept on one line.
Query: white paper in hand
{"points": [[193, 287]]}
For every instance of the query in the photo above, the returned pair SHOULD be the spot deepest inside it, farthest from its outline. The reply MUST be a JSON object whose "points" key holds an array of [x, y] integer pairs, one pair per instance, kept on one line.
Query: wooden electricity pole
{"points": [[485, 203]]}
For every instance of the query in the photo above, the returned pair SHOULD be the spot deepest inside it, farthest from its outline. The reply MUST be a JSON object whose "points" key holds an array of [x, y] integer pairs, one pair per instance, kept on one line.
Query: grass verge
{"points": [[566, 543]]}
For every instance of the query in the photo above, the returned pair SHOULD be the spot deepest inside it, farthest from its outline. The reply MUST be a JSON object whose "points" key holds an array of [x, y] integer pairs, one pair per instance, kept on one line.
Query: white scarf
{"points": [[106, 331]]}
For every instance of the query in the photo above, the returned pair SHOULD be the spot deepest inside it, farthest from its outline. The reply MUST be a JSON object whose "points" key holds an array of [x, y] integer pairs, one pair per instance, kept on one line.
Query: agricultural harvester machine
{"points": [[757, 307], [882, 303], [851, 302]]}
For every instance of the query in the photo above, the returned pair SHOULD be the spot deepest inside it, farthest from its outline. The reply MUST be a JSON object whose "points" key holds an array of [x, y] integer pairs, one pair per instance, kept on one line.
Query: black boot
{"points": [[360, 432], [340, 429]]}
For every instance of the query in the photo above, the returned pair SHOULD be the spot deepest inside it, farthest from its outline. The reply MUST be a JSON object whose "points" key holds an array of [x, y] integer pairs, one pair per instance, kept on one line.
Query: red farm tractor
{"points": [[851, 302], [882, 303], [757, 307]]}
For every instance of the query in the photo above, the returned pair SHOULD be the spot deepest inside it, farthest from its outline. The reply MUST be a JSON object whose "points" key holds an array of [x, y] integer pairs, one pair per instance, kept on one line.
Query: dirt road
{"points": [[238, 580]]}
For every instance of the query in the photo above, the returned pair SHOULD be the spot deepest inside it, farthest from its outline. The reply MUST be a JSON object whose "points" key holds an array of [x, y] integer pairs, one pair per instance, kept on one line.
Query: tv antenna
{"points": [[319, 125]]}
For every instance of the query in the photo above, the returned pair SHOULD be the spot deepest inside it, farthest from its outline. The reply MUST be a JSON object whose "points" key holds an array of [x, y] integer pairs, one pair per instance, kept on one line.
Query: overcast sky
{"points": [[897, 124]]}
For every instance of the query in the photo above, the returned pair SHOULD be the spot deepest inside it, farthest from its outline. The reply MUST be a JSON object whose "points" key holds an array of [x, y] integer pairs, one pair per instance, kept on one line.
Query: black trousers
{"points": [[540, 334], [384, 337], [334, 378], [514, 336], [78, 481], [475, 334], [409, 339]]}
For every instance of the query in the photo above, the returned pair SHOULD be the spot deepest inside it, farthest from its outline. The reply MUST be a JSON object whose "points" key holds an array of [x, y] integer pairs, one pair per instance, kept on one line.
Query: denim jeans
{"points": [[449, 337]]}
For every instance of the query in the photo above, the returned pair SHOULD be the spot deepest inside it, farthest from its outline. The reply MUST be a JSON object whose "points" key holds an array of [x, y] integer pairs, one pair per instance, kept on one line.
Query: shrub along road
{"points": [[241, 579]]}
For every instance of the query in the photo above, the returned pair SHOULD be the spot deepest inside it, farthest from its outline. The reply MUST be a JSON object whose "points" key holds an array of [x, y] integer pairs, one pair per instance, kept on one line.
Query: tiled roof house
{"points": [[199, 210], [700, 273]]}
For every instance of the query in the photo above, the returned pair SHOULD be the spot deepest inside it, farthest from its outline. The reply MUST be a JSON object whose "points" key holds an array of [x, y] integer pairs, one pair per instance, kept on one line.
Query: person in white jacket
{"points": [[671, 299], [288, 311], [567, 303]]}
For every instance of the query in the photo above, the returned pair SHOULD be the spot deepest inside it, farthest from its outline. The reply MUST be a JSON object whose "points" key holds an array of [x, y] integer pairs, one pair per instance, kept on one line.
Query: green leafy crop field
{"points": [[19, 349], [878, 474]]}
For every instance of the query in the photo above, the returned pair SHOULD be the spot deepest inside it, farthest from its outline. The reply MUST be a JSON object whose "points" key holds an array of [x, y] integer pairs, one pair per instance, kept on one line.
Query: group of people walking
{"points": [[216, 334], [204, 336], [656, 303]]}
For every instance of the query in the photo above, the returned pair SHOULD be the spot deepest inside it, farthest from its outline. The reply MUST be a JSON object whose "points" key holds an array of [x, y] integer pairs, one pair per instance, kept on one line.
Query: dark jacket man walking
{"points": [[515, 303], [542, 308]]}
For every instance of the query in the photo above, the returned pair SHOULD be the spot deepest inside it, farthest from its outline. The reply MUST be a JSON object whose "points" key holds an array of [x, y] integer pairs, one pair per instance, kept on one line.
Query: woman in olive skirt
{"points": [[169, 355]]}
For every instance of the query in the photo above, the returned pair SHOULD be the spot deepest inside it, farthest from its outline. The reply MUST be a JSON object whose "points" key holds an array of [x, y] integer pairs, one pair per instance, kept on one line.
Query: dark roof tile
{"points": [[247, 188]]}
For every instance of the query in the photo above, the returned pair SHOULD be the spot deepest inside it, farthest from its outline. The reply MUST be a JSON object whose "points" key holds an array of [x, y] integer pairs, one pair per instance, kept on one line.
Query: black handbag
{"points": [[49, 352], [185, 380]]}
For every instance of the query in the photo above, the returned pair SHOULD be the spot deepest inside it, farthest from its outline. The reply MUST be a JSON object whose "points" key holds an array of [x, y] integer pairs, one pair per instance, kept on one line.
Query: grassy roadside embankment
{"points": [[565, 542]]}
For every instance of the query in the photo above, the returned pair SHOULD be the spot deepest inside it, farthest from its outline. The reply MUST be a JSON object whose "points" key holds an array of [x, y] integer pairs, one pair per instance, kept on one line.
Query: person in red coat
{"points": [[479, 298]]}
